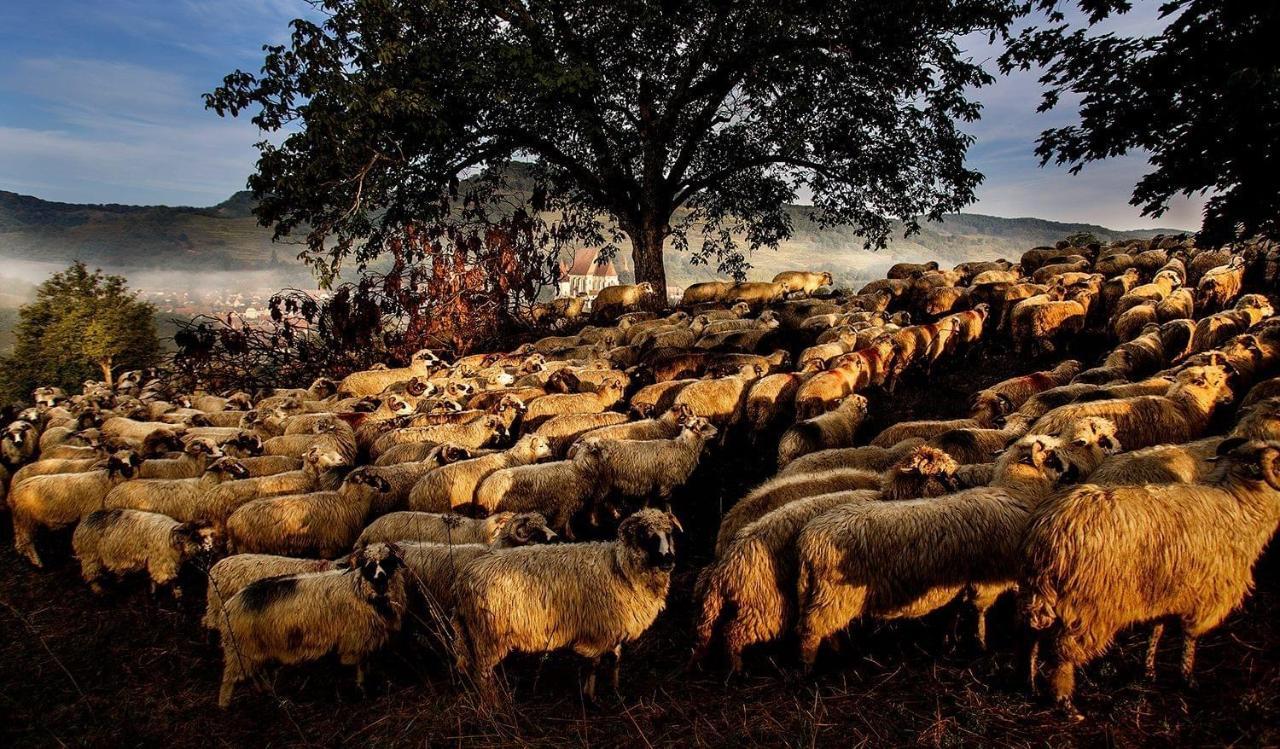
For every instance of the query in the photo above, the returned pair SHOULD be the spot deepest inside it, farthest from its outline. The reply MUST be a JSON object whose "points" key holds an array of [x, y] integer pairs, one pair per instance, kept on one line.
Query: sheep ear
{"points": [[675, 521], [1230, 444]]}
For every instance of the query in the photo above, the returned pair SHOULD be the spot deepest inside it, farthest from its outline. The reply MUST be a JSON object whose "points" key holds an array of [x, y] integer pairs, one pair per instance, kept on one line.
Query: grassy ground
{"points": [[128, 669]]}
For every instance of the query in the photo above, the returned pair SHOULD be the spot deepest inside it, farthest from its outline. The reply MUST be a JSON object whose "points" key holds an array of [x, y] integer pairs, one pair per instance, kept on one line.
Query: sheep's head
{"points": [[651, 533], [740, 309], [399, 406], [160, 441], [1257, 303], [227, 469], [459, 389], [1252, 461], [646, 288], [988, 407], [855, 406], [417, 387], [245, 444], [509, 406], [123, 464], [524, 529], [239, 402], [377, 564], [364, 477], [1210, 379], [1035, 456], [321, 459], [323, 387], [701, 427], [202, 446], [534, 363], [448, 452], [425, 358], [924, 472], [827, 279], [536, 446], [197, 538]]}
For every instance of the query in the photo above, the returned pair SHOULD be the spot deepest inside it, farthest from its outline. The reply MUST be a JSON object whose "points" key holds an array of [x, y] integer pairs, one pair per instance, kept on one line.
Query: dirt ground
{"points": [[129, 669]]}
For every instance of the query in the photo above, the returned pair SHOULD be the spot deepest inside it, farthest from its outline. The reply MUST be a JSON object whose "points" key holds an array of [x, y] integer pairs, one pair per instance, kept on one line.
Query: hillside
{"points": [[227, 237]]}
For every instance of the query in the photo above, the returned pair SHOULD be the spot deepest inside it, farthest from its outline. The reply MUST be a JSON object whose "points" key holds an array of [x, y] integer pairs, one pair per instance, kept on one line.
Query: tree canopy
{"points": [[82, 324], [1202, 97], [688, 121]]}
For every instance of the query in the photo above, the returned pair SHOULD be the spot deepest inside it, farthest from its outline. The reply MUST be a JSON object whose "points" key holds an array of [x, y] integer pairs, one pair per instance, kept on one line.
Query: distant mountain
{"points": [[227, 237]]}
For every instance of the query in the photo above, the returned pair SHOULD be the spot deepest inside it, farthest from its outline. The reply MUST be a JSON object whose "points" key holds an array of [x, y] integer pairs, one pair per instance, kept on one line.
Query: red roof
{"points": [[584, 264]]}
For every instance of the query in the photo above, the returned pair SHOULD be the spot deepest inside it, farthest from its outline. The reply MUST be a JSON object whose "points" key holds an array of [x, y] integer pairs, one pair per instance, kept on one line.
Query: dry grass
{"points": [[130, 670]]}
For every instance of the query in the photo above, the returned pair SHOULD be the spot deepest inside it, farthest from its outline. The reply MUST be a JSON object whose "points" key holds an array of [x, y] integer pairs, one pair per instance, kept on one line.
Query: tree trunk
{"points": [[646, 254]]}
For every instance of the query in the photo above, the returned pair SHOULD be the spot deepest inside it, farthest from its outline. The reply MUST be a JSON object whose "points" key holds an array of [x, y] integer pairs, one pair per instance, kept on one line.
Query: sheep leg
{"points": [[24, 541], [92, 574], [1188, 658], [231, 675], [1153, 645], [589, 691], [1062, 679], [616, 667]]}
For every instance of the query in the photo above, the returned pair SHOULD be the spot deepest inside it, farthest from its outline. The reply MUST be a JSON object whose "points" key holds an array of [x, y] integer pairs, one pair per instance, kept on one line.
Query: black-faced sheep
{"points": [[296, 618], [120, 542], [591, 598]]}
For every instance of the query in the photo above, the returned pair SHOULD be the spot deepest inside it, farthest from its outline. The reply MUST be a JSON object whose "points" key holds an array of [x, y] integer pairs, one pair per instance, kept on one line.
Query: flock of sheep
{"points": [[449, 497]]}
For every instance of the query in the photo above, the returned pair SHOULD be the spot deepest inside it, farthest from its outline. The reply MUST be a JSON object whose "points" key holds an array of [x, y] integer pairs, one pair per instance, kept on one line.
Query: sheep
{"points": [[941, 300], [561, 431], [1042, 403], [1007, 396], [319, 523], [50, 466], [666, 426], [1099, 559], [269, 465], [194, 460], [299, 618], [322, 470], [755, 574], [827, 390], [1038, 323], [1204, 261], [434, 566], [783, 490], [704, 292], [1214, 330], [558, 490], [442, 528], [1221, 285], [1178, 305], [720, 400], [1180, 416], [556, 404], [771, 401], [1114, 264], [994, 276], [20, 444], [1152, 293], [658, 397], [374, 381], [1262, 391], [1129, 324], [830, 430], [1068, 264], [124, 541], [592, 598], [471, 435], [454, 485], [149, 437], [181, 499], [1115, 288], [803, 281], [613, 301], [644, 469], [924, 429], [59, 500], [907, 270], [905, 559], [232, 574], [867, 457], [757, 293]]}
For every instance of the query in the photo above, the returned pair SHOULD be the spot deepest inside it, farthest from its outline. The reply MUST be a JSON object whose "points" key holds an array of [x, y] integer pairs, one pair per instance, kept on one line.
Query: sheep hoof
{"points": [[1067, 709]]}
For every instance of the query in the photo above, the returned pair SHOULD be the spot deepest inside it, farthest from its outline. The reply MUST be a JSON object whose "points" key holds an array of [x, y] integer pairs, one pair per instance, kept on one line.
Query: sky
{"points": [[100, 102]]}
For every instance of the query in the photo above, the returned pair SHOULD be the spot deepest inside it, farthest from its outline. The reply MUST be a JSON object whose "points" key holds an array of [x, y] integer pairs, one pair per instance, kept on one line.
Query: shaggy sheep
{"points": [[867, 457], [658, 397], [783, 490], [1180, 416], [592, 598], [558, 490], [904, 559], [562, 431], [924, 429], [757, 293], [803, 281], [20, 444], [830, 430], [371, 382], [454, 485], [449, 528], [298, 618], [1221, 285], [613, 301], [1097, 560], [1038, 323], [720, 400], [196, 456], [755, 576], [471, 435], [548, 406], [665, 427], [322, 470], [59, 500], [1129, 324], [1214, 330], [1178, 305], [181, 499], [1007, 396], [123, 541], [771, 401], [233, 574], [650, 469], [704, 292]]}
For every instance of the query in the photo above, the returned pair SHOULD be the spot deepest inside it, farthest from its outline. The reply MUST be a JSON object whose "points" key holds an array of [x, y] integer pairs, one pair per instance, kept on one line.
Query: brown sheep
{"points": [[558, 490], [452, 486], [1178, 305], [907, 270], [924, 429], [650, 469], [706, 291], [1007, 396], [783, 490], [833, 429], [867, 457], [771, 401], [119, 542], [720, 400], [756, 293], [1214, 330], [626, 582], [613, 301], [562, 431], [803, 281], [1130, 324], [1098, 559]]}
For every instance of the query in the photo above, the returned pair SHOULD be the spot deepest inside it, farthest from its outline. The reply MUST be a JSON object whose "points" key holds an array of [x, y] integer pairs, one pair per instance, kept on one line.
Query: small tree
{"points": [[82, 324]]}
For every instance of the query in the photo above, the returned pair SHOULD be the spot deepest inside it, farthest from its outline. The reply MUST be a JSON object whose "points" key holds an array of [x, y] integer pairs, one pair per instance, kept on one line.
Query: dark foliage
{"points": [[693, 122], [1203, 97]]}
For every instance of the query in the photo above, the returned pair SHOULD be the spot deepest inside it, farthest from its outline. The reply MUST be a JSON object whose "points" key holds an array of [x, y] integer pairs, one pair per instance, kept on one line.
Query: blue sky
{"points": [[100, 102]]}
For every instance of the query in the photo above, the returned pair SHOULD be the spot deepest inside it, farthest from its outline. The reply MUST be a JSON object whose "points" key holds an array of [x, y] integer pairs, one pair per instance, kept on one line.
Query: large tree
{"points": [[82, 324], [1202, 97], [688, 121]]}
